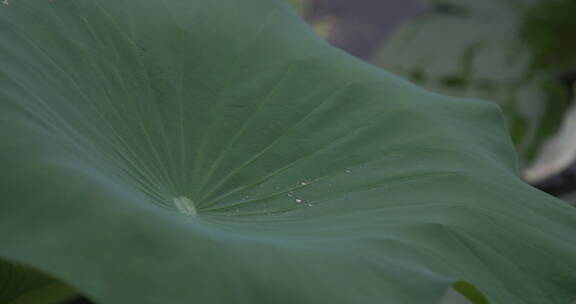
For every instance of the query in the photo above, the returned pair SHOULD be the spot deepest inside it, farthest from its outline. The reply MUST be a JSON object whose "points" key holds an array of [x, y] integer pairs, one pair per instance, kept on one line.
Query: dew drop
{"points": [[303, 183], [299, 200], [290, 194], [347, 170]]}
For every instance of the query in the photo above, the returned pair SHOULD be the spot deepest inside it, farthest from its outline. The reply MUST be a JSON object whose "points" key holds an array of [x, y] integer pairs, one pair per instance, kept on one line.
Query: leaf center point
{"points": [[185, 206]]}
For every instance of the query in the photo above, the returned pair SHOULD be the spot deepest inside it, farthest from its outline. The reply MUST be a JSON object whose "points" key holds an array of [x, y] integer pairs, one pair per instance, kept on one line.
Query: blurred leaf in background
{"points": [[487, 49], [548, 30], [23, 285]]}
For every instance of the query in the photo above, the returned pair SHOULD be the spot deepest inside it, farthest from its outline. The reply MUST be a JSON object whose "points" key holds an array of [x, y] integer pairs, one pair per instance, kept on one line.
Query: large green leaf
{"points": [[184, 151]]}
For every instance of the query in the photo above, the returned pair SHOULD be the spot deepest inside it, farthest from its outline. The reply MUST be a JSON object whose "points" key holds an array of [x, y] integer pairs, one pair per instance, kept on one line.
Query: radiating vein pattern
{"points": [[220, 152]]}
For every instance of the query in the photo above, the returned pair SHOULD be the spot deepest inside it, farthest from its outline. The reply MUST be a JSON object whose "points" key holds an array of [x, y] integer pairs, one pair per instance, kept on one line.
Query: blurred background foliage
{"points": [[518, 53]]}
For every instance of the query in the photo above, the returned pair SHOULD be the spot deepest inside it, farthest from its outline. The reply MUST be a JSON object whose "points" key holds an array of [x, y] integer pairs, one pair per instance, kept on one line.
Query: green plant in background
{"points": [[547, 29], [506, 51], [220, 152]]}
